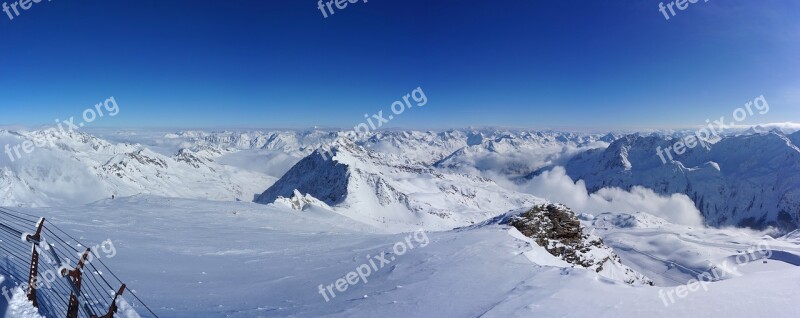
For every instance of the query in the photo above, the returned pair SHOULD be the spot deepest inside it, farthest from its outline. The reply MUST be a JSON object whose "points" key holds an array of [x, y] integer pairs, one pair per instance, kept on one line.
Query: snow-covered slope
{"points": [[748, 179], [77, 168], [743, 180], [190, 250], [392, 192], [197, 258]]}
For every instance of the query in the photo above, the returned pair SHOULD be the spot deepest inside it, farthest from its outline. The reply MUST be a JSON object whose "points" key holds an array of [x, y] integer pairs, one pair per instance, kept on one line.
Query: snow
{"points": [[20, 306], [538, 254], [191, 244], [556, 185], [742, 180], [124, 310], [391, 194], [199, 258], [80, 168]]}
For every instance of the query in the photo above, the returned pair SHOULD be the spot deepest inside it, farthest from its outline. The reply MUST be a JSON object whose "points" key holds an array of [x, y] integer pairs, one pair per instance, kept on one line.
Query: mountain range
{"points": [[441, 179]]}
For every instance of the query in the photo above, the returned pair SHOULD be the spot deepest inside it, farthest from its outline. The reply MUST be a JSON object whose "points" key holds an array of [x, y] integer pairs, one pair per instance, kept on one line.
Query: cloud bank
{"points": [[555, 185]]}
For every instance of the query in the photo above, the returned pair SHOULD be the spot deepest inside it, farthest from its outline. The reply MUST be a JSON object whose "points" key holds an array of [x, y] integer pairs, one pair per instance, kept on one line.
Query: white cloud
{"points": [[511, 162], [556, 186], [787, 127]]}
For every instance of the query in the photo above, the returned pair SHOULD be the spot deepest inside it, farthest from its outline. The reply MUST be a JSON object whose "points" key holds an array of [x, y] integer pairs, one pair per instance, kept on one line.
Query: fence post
{"points": [[75, 275], [113, 308], [34, 269]]}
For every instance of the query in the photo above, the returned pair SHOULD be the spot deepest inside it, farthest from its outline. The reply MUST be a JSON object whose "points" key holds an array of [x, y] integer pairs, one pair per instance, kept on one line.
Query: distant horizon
{"points": [[594, 130]]}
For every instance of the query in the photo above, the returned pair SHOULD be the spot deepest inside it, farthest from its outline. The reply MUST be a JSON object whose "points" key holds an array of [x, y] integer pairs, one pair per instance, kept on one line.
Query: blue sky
{"points": [[515, 63]]}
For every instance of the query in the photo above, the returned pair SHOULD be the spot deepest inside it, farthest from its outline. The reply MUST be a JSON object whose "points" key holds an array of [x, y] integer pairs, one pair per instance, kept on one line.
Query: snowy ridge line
{"points": [[55, 289]]}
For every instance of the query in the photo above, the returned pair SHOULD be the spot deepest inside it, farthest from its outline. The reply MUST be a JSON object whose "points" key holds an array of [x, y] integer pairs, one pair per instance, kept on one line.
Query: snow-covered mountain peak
{"points": [[745, 180], [390, 193]]}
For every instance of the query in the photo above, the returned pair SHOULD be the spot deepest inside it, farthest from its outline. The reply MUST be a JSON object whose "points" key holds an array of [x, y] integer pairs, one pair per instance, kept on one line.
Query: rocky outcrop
{"points": [[558, 230]]}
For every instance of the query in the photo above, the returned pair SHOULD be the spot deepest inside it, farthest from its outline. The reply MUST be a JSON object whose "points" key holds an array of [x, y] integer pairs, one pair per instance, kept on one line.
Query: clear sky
{"points": [[515, 63]]}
